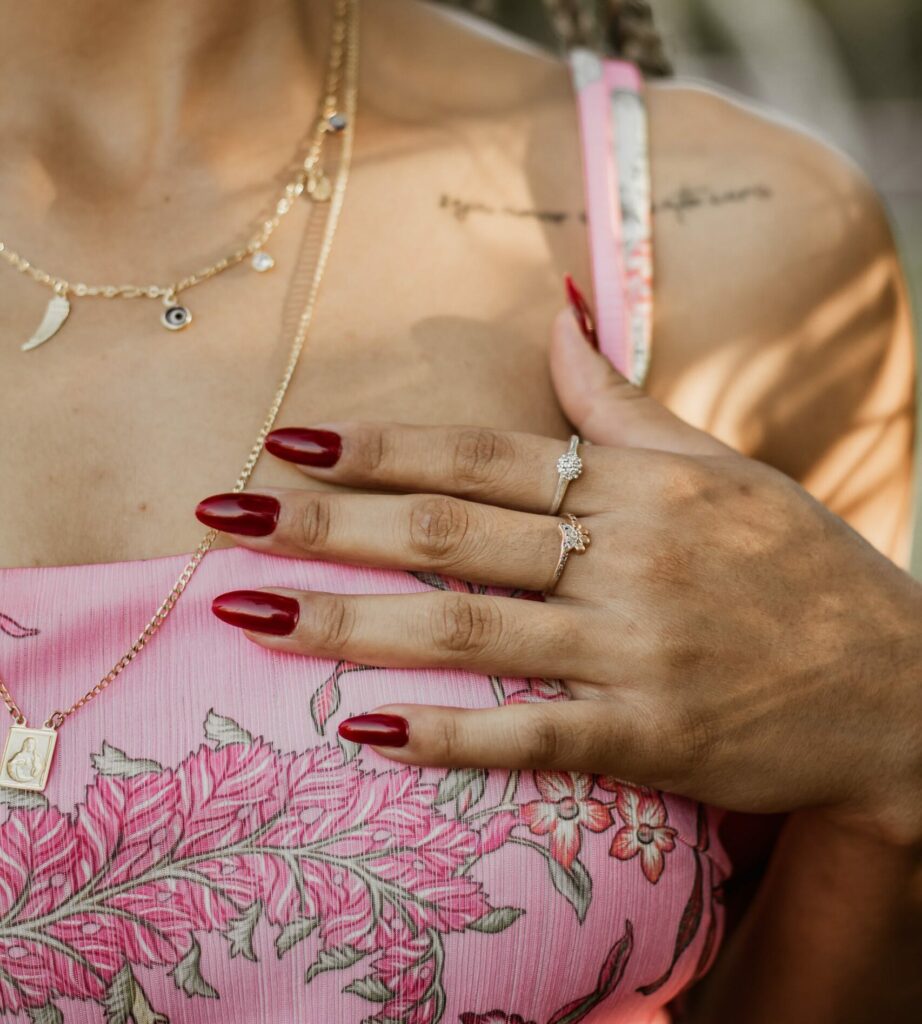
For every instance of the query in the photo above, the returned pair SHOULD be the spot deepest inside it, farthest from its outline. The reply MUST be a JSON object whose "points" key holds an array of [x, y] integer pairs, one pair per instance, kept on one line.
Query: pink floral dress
{"points": [[207, 850]]}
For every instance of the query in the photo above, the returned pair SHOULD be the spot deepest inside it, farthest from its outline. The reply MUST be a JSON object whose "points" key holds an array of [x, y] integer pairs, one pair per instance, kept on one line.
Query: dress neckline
{"points": [[182, 556]]}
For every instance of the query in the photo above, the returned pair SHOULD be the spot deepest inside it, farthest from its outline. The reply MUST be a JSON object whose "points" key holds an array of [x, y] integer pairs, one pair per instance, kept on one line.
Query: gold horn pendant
{"points": [[57, 312]]}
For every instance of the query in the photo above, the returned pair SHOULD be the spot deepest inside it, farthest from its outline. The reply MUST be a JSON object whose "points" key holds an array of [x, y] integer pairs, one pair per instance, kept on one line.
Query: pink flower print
{"points": [[565, 808], [129, 825], [493, 1017], [645, 830], [230, 838], [406, 969], [226, 794], [496, 831], [327, 697], [12, 628], [537, 691]]}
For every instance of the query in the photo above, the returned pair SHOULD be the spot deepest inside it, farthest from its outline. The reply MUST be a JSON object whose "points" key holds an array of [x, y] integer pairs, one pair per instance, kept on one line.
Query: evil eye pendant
{"points": [[175, 317]]}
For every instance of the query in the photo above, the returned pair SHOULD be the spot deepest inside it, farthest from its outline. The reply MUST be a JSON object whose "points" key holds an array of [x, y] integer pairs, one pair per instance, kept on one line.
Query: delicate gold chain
{"points": [[343, 67], [309, 178]]}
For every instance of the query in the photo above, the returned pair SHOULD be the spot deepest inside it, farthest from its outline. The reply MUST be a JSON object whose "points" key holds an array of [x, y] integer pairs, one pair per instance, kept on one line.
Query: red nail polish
{"points": [[378, 730], [252, 515], [307, 447], [258, 610], [581, 311]]}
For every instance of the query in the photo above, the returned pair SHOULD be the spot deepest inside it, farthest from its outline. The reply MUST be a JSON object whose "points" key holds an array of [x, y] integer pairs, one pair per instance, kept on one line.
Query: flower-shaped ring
{"points": [[573, 537]]}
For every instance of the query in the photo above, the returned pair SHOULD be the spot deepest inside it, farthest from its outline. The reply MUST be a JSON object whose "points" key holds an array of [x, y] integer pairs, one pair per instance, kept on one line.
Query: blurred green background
{"points": [[849, 70]]}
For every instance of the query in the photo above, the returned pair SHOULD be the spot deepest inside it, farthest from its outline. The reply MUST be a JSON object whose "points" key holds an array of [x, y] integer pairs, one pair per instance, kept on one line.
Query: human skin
{"points": [[723, 636], [708, 632], [780, 325], [123, 157]]}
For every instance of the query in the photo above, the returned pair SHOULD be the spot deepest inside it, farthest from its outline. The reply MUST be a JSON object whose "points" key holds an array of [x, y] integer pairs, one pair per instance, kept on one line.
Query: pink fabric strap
{"points": [[616, 168]]}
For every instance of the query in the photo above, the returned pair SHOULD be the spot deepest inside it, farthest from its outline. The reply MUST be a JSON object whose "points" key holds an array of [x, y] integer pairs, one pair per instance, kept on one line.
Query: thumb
{"points": [[606, 408]]}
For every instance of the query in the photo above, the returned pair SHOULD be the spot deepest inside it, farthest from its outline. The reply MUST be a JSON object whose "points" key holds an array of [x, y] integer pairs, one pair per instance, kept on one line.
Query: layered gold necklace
{"points": [[309, 179], [28, 752]]}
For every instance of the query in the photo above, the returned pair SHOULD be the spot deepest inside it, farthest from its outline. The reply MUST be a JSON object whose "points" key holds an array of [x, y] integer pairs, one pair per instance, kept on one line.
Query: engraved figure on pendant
{"points": [[27, 765]]}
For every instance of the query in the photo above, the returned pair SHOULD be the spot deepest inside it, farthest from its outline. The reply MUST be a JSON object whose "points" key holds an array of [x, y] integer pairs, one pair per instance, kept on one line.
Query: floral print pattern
{"points": [[645, 831], [236, 834], [565, 808], [375, 867]]}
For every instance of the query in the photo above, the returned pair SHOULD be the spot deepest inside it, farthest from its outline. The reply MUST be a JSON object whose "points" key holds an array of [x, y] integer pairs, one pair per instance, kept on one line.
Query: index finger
{"points": [[514, 470]]}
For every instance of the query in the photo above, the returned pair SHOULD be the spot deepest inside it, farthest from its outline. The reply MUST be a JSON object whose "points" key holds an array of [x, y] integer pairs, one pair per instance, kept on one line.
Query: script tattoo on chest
{"points": [[680, 204], [461, 209]]}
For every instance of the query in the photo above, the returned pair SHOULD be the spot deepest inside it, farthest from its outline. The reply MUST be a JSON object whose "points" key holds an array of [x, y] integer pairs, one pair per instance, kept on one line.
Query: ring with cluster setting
{"points": [[569, 468]]}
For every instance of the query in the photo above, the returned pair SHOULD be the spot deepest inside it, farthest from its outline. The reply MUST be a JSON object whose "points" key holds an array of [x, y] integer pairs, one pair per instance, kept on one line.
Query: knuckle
{"points": [[314, 522], [464, 625], [541, 742], [479, 456], [371, 451], [448, 738], [439, 526], [332, 622]]}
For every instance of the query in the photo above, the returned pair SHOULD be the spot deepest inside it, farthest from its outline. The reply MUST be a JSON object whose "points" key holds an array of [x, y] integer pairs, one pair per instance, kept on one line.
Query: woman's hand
{"points": [[724, 636]]}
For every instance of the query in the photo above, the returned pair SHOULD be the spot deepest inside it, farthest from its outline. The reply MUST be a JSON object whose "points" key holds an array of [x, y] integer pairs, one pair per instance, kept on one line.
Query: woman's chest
{"points": [[115, 428]]}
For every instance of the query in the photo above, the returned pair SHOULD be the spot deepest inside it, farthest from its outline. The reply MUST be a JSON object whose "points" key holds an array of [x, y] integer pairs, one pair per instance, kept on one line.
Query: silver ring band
{"points": [[569, 468]]}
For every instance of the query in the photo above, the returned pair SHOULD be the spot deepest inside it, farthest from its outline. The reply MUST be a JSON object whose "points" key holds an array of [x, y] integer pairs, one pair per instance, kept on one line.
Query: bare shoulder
{"points": [[704, 139], [780, 315], [782, 318]]}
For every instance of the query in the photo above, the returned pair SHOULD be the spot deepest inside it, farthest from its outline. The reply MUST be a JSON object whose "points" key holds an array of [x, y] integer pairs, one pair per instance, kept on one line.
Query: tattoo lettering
{"points": [[679, 203], [461, 209], [698, 197]]}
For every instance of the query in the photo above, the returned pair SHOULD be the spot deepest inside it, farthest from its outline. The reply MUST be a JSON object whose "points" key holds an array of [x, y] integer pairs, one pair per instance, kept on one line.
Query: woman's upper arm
{"points": [[782, 322], [865, 474]]}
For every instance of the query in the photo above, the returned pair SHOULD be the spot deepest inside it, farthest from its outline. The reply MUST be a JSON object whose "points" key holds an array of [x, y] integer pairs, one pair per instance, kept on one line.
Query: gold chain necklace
{"points": [[28, 751], [309, 179]]}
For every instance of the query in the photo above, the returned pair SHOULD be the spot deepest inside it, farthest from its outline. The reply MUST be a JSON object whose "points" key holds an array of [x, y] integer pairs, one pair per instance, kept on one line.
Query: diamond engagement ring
{"points": [[569, 467], [573, 537]]}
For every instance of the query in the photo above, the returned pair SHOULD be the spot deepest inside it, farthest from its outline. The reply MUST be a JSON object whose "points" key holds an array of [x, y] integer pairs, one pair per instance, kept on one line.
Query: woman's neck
{"points": [[108, 97]]}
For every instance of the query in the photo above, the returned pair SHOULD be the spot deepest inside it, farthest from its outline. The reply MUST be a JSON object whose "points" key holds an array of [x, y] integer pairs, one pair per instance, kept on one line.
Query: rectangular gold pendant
{"points": [[27, 758]]}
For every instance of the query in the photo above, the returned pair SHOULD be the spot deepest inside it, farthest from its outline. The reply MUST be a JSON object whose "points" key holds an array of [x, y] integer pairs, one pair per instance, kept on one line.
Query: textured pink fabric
{"points": [[207, 851], [202, 810]]}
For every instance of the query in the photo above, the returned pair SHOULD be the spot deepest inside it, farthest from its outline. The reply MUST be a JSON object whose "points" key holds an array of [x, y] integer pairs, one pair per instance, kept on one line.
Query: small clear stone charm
{"points": [[176, 317], [261, 261], [319, 187], [569, 466], [337, 122]]}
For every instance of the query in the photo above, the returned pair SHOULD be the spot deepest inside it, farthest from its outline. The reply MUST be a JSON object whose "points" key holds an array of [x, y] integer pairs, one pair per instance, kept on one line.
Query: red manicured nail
{"points": [[581, 311], [378, 730], [252, 515], [307, 447], [258, 610]]}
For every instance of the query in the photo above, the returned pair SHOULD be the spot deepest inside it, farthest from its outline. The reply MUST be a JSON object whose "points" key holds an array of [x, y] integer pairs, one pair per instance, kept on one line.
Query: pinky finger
{"points": [[580, 735]]}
